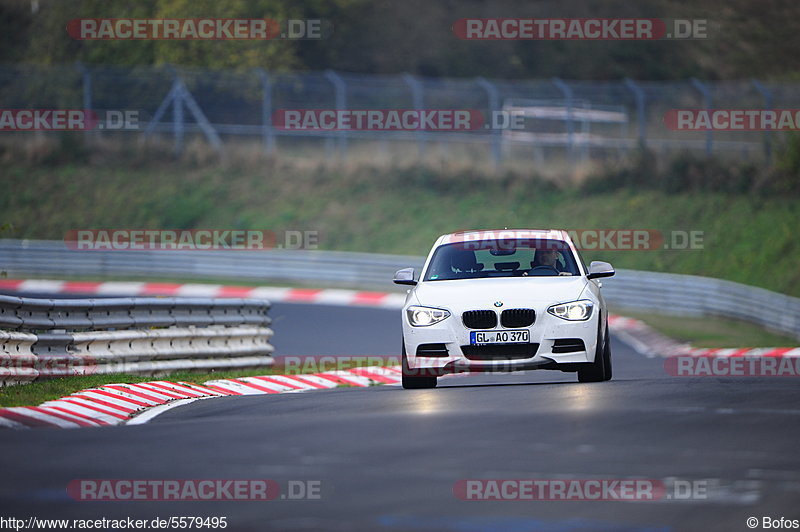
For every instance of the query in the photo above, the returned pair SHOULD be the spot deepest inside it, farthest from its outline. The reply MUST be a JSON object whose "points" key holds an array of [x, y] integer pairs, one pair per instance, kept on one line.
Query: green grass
{"points": [[747, 238], [712, 331], [40, 391]]}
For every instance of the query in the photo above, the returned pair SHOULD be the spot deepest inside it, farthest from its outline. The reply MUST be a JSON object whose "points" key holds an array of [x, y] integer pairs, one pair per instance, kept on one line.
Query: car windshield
{"points": [[501, 258]]}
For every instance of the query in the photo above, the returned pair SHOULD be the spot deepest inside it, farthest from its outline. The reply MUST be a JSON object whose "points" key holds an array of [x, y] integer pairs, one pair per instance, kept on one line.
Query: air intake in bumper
{"points": [[499, 351], [568, 345], [432, 350]]}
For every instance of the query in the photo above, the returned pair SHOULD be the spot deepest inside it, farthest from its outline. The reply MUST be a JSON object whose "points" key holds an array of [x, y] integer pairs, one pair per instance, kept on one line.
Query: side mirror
{"points": [[599, 269], [405, 276]]}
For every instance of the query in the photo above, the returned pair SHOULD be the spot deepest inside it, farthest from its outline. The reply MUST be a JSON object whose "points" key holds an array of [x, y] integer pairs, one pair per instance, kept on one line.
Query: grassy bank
{"points": [[746, 238], [712, 331]]}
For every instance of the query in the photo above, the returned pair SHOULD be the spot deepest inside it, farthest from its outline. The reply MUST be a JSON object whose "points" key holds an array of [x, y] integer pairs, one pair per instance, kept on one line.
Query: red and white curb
{"points": [[644, 339], [116, 404], [279, 294]]}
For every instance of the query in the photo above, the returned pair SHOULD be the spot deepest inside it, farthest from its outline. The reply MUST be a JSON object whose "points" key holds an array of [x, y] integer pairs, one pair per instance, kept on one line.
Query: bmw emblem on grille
{"points": [[498, 303]]}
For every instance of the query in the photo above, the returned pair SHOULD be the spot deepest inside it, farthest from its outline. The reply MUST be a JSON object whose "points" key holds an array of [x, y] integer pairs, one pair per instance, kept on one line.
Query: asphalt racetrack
{"points": [[384, 458]]}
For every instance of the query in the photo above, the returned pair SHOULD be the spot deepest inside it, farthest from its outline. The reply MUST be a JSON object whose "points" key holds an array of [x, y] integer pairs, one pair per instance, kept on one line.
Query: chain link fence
{"points": [[564, 119]]}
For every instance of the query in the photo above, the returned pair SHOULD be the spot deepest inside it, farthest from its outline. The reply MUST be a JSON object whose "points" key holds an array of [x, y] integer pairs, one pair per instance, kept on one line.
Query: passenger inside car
{"points": [[464, 262]]}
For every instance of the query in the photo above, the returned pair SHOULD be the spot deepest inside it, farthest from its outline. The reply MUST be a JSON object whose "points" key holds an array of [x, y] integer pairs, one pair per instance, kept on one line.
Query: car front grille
{"points": [[568, 345], [518, 317], [479, 319], [499, 351]]}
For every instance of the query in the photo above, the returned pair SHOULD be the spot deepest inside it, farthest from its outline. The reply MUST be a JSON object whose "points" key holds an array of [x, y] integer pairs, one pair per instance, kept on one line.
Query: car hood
{"points": [[512, 292]]}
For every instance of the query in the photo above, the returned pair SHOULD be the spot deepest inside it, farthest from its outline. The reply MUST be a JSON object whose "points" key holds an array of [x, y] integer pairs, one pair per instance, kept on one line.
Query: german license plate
{"points": [[521, 336]]}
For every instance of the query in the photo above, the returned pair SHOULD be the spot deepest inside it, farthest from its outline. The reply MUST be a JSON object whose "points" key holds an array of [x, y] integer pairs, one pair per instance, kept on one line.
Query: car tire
{"points": [[411, 381], [607, 357], [596, 371]]}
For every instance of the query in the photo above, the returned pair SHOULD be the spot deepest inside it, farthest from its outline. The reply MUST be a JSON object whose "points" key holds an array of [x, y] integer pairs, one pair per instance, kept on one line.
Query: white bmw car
{"points": [[507, 300]]}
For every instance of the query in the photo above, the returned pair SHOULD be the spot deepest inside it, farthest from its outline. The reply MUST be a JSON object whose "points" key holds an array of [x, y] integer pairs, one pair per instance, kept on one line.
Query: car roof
{"points": [[503, 234]]}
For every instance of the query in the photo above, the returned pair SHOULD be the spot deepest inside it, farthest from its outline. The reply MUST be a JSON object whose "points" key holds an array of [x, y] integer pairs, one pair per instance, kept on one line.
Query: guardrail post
{"points": [[340, 88], [494, 106], [638, 94], [419, 104], [703, 89], [267, 133], [566, 90], [768, 103]]}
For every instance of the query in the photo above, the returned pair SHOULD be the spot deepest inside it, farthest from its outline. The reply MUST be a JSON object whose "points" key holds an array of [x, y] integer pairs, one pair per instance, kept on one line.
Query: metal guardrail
{"points": [[659, 292], [27, 314], [66, 337], [691, 295], [330, 268]]}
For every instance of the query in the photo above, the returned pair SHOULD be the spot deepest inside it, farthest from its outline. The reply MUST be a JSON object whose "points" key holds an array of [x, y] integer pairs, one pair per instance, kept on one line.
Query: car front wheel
{"points": [[607, 357], [596, 371], [411, 378]]}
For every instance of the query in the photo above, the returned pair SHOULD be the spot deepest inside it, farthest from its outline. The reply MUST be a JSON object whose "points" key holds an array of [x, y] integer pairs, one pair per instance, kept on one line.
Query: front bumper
{"points": [[556, 338]]}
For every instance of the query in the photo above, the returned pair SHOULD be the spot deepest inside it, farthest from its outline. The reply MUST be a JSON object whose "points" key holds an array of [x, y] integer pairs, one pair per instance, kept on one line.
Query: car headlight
{"points": [[580, 310], [424, 316]]}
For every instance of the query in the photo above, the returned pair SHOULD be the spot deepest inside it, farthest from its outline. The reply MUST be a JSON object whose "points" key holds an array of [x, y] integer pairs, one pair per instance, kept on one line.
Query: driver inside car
{"points": [[546, 263]]}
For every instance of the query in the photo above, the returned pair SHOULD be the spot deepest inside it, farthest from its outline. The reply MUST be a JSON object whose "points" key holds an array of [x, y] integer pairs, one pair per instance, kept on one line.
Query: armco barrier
{"points": [[660, 292], [54, 258], [65, 337]]}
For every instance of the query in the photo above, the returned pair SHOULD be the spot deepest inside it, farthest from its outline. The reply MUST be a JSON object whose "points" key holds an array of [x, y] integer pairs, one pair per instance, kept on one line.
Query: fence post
{"points": [[178, 96], [177, 123], [86, 83], [267, 133], [177, 110], [494, 106], [340, 88], [703, 89], [768, 103], [566, 90], [205, 126], [638, 94], [419, 104], [162, 109]]}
